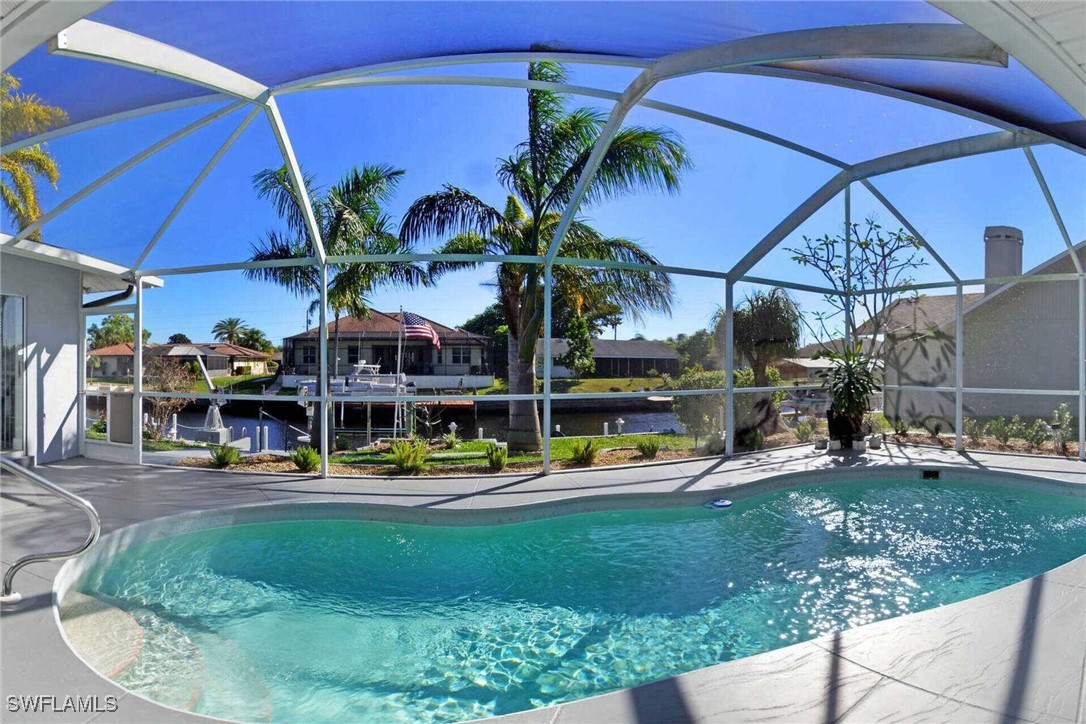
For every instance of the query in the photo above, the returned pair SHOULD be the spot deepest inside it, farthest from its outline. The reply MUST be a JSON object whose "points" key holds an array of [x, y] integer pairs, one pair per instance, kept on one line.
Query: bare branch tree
{"points": [[165, 374]]}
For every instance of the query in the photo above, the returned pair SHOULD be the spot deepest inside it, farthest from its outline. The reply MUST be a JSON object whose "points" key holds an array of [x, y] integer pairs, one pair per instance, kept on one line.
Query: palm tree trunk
{"points": [[523, 416]]}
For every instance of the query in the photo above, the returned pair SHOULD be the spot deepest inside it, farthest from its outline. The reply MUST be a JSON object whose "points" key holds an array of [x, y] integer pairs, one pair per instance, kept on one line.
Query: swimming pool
{"points": [[322, 620]]}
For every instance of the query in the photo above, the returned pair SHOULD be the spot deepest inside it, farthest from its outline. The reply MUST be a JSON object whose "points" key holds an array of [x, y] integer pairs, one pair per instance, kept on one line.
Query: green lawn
{"points": [[243, 384], [160, 445], [561, 449], [591, 384]]}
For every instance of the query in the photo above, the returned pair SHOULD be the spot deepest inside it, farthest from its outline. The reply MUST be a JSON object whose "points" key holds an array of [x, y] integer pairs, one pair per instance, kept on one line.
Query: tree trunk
{"points": [[523, 416]]}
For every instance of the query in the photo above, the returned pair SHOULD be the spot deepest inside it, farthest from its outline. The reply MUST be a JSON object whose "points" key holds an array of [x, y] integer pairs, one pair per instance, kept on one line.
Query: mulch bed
{"points": [[984, 444]]}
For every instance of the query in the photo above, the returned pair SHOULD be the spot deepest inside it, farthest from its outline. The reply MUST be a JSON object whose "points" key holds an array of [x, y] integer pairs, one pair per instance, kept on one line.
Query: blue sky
{"points": [[740, 189]]}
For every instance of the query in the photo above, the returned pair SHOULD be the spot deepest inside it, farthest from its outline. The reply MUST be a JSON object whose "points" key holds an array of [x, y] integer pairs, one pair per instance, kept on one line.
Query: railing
{"points": [[96, 526]]}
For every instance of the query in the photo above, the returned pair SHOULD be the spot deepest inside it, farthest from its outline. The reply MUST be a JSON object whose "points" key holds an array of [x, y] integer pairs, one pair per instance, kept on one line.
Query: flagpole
{"points": [[399, 366]]}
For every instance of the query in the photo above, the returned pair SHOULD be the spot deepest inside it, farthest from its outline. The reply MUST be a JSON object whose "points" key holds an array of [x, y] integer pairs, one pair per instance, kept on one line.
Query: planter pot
{"points": [[820, 444], [875, 442], [834, 445], [859, 445]]}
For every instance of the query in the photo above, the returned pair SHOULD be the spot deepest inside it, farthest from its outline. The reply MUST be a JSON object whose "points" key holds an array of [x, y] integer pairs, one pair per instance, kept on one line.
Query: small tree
{"points": [[766, 328], [869, 258], [165, 374], [700, 414], [179, 338], [254, 338], [695, 350], [115, 329], [578, 357]]}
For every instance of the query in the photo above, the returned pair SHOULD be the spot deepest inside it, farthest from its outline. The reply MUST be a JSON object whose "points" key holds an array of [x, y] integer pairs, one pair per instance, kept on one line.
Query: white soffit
{"points": [[26, 24], [1046, 36]]}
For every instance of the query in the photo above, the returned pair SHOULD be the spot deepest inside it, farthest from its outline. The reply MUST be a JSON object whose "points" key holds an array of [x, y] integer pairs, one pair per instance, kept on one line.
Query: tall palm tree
{"points": [[351, 219], [540, 176], [229, 330], [23, 114]]}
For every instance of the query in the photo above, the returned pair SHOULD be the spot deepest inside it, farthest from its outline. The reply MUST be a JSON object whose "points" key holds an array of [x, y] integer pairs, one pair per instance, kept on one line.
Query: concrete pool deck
{"points": [[1016, 654]]}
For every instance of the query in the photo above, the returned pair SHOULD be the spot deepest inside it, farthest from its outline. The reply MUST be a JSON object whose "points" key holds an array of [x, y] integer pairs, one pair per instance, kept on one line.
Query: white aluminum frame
{"points": [[88, 39]]}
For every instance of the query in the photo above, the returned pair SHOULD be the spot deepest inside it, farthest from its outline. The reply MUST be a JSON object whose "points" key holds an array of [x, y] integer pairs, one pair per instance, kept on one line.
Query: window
{"points": [[352, 355], [461, 355], [309, 355]]}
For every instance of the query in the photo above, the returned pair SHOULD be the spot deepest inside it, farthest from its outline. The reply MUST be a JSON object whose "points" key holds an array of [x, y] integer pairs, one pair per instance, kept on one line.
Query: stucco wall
{"points": [[1024, 338], [51, 356]]}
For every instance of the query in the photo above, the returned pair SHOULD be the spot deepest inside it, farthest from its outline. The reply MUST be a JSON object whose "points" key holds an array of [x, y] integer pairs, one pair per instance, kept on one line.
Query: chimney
{"points": [[1002, 254]]}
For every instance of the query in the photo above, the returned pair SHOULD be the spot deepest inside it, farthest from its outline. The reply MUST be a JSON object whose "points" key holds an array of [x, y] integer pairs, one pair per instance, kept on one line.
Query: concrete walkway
{"points": [[1017, 654]]}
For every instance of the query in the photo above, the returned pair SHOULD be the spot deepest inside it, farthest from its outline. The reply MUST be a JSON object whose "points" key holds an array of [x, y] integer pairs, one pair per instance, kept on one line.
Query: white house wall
{"points": [[53, 296], [1025, 338]]}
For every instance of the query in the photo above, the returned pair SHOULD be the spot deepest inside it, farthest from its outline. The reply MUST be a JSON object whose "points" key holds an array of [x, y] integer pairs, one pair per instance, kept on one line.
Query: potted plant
{"points": [[851, 382], [875, 441], [859, 442]]}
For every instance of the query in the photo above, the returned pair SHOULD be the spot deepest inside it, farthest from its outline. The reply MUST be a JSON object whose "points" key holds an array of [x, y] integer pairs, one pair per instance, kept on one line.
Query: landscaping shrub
{"points": [[496, 456], [974, 429], [715, 445], [804, 431], [584, 452], [223, 456], [450, 440], [876, 422], [1017, 428], [1000, 429], [752, 439], [409, 457], [901, 425], [652, 373], [99, 425], [649, 447], [306, 459], [1036, 434], [1061, 416]]}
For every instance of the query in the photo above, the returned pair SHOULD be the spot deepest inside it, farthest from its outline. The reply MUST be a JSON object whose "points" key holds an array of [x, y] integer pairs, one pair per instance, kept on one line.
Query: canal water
{"points": [[494, 424]]}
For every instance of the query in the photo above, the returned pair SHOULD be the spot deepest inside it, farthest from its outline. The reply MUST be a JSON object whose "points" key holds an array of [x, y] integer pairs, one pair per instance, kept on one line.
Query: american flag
{"points": [[415, 327]]}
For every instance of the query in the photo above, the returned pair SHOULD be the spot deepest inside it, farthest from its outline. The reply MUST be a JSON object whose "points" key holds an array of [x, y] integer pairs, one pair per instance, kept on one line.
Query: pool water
{"points": [[355, 620]]}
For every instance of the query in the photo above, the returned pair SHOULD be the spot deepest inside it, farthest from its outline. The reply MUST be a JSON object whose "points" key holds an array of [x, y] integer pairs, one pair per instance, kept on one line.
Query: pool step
{"points": [[169, 668], [107, 637]]}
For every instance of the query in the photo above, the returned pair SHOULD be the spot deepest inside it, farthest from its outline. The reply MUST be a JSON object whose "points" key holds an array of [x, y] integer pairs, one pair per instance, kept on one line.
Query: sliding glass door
{"points": [[12, 377]]}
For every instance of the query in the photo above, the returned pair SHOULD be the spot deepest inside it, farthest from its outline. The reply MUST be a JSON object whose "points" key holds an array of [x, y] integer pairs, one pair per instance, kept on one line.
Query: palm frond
{"points": [[274, 184], [449, 212], [638, 159], [299, 280]]}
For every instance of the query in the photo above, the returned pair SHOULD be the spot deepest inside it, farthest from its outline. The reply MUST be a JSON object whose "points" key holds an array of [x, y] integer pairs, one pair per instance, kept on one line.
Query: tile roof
{"points": [[385, 325], [220, 349], [114, 350]]}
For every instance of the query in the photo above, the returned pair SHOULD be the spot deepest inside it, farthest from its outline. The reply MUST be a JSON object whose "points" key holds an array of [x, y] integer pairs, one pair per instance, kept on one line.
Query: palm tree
{"points": [[766, 327], [229, 330], [540, 177], [351, 220], [23, 114]]}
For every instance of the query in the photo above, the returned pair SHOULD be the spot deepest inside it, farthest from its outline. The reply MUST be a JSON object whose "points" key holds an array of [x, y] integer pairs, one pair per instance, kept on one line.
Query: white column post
{"points": [[848, 268], [729, 368], [322, 377], [959, 360], [81, 375], [548, 363], [137, 376], [1082, 367]]}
